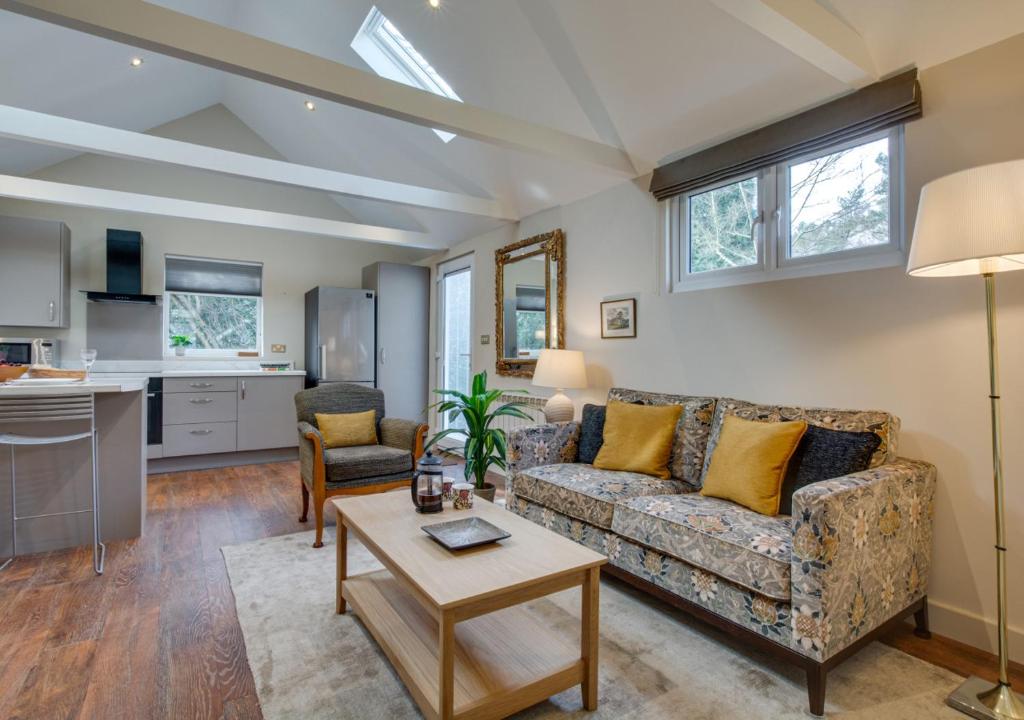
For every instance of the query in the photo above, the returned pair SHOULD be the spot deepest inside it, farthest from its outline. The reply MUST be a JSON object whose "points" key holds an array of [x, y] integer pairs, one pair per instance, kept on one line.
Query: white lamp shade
{"points": [[560, 369], [970, 223]]}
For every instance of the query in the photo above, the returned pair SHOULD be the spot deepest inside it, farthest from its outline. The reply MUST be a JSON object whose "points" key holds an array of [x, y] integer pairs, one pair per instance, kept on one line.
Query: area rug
{"points": [[656, 662]]}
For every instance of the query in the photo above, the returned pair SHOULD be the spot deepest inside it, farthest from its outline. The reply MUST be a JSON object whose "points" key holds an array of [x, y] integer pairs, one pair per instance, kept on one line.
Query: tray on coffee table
{"points": [[465, 533]]}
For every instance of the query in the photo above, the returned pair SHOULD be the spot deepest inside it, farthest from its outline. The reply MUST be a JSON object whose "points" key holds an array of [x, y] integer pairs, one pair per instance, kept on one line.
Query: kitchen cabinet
{"points": [[266, 412], [35, 272]]}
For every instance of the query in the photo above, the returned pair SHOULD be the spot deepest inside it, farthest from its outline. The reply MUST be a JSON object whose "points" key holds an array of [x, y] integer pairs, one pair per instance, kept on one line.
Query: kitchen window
{"points": [[835, 210], [215, 305]]}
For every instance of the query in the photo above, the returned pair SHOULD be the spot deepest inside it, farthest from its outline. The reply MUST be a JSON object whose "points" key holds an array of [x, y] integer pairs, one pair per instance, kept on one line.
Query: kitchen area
{"points": [[175, 381]]}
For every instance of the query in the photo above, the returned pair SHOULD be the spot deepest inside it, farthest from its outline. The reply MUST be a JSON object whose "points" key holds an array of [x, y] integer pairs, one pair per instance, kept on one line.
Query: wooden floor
{"points": [[157, 635]]}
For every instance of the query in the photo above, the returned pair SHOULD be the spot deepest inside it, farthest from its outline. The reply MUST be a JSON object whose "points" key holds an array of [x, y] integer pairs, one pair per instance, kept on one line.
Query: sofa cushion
{"points": [[825, 454], [591, 432], [691, 438], [718, 536], [884, 425], [585, 492], [362, 461], [638, 438]]}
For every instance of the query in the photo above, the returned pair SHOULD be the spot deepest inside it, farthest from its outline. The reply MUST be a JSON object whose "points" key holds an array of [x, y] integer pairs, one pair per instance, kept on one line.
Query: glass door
{"points": [[455, 322]]}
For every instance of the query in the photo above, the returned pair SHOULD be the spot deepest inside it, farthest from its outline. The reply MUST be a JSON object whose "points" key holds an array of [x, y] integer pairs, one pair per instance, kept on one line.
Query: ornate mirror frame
{"points": [[552, 245]]}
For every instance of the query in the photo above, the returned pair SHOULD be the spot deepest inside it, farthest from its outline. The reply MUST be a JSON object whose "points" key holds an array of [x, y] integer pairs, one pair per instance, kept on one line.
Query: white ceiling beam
{"points": [[36, 127], [810, 31], [167, 32], [19, 188]]}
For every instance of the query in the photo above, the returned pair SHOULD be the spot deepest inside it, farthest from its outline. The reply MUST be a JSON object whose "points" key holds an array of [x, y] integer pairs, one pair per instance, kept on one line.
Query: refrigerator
{"points": [[340, 336]]}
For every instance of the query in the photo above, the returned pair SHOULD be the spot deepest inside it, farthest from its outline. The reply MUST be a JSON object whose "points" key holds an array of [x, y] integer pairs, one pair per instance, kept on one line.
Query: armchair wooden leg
{"points": [[305, 501], [318, 511]]}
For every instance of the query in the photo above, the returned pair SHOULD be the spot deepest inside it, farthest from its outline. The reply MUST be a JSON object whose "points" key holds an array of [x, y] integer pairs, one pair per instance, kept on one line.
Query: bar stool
{"points": [[53, 408]]}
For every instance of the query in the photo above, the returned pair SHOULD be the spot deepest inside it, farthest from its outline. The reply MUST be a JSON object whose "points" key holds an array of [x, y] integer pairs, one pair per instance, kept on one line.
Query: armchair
{"points": [[326, 472]]}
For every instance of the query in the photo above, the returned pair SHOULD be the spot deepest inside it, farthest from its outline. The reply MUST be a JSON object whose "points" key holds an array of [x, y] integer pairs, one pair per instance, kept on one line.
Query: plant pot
{"points": [[485, 493], [179, 351]]}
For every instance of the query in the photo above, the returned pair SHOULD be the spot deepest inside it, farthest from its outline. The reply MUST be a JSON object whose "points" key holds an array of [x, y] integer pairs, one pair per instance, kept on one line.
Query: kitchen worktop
{"points": [[229, 373], [99, 385]]}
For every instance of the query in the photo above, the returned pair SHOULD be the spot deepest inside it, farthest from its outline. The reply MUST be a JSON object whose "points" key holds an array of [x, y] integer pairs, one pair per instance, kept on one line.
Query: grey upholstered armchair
{"points": [[351, 470]]}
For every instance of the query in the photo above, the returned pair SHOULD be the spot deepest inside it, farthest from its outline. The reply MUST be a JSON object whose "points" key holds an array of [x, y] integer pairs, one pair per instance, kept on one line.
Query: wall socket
{"points": [[278, 348], [485, 339]]}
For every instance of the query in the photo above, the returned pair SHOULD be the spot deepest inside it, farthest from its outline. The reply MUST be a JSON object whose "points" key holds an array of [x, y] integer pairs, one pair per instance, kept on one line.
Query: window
{"points": [[386, 50], [455, 341], [833, 211], [217, 305]]}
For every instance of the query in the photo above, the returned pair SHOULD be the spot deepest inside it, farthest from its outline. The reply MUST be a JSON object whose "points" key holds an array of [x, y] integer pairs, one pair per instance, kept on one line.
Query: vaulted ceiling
{"points": [[653, 77]]}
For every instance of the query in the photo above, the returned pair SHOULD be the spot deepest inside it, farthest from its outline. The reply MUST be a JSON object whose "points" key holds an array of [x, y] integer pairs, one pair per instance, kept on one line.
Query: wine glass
{"points": [[88, 357]]}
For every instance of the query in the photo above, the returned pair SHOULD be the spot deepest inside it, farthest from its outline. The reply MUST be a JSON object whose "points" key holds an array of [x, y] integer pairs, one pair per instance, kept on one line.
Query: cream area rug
{"points": [[656, 662]]}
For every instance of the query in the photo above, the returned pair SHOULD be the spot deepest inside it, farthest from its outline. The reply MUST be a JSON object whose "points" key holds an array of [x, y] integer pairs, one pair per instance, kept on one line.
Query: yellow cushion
{"points": [[348, 429], [749, 463], [638, 438]]}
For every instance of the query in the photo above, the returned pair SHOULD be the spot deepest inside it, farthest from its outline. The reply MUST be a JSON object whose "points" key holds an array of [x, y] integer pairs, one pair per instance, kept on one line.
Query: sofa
{"points": [[849, 563]]}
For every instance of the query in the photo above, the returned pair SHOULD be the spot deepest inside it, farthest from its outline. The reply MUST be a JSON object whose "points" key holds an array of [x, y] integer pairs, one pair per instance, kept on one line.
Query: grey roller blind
{"points": [[876, 107], [218, 277], [530, 298]]}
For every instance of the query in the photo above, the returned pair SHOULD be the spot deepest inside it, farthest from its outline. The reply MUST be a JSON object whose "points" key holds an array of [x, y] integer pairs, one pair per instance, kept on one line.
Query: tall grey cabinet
{"points": [[403, 320], [35, 273]]}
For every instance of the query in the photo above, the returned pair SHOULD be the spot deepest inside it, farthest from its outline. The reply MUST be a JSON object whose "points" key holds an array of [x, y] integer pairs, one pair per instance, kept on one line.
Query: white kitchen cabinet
{"points": [[266, 412], [35, 272]]}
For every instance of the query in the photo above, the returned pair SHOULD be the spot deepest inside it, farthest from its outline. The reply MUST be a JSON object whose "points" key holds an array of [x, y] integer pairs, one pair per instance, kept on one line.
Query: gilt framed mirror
{"points": [[529, 303]]}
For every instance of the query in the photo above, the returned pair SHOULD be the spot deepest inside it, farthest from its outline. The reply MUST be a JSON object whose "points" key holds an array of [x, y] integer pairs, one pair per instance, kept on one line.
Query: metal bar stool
{"points": [[56, 408]]}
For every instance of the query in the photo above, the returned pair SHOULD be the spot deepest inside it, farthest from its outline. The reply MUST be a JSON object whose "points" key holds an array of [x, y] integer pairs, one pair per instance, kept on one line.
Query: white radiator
{"points": [[535, 409]]}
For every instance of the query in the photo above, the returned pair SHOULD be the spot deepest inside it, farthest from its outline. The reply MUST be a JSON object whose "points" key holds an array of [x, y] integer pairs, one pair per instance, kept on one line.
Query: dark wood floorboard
{"points": [[156, 637]]}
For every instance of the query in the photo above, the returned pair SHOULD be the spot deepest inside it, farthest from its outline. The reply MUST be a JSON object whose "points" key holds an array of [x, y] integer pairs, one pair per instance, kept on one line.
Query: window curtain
{"points": [[215, 277], [883, 105]]}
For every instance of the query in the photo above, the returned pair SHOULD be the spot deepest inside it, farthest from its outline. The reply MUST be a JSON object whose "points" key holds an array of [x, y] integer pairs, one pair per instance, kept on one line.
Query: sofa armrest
{"points": [[403, 434], [311, 459], [861, 553], [537, 445]]}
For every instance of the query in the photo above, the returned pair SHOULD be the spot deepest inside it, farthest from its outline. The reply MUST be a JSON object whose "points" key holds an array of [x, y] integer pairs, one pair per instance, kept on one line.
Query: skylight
{"points": [[386, 50]]}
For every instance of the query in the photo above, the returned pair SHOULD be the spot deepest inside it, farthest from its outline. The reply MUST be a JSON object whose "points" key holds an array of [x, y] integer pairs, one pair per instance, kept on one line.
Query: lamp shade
{"points": [[560, 369], [970, 223]]}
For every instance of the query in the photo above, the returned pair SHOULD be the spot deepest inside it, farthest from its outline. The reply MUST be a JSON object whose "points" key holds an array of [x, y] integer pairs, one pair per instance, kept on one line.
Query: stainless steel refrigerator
{"points": [[340, 336]]}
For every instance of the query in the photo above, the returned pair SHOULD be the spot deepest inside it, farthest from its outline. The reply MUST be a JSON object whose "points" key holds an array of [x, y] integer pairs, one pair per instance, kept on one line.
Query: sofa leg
{"points": [[921, 627], [816, 689], [305, 501], [318, 510]]}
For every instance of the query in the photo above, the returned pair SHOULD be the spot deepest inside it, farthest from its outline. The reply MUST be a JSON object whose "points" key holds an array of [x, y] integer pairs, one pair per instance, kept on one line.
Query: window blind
{"points": [[215, 277], [882, 105]]}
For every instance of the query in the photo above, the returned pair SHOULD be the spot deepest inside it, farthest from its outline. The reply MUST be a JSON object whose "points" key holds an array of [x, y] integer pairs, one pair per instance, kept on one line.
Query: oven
{"points": [[29, 351]]}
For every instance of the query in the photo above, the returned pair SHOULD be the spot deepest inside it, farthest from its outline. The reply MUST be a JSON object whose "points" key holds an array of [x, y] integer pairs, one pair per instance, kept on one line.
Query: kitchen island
{"points": [[57, 478]]}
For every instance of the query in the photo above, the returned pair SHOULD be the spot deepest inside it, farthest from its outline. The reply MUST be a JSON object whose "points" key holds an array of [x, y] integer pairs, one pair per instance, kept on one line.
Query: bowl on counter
{"points": [[12, 372]]}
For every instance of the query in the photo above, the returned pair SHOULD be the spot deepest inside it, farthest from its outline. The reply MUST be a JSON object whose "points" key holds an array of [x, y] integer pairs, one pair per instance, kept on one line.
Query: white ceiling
{"points": [[657, 77]]}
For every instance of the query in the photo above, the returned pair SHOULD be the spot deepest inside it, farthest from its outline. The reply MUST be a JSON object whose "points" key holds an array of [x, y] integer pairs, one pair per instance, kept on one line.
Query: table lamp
{"points": [[560, 369], [972, 223]]}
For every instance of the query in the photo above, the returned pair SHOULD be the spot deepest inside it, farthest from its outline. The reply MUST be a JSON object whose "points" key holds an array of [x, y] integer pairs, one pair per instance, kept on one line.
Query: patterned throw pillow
{"points": [[591, 432], [824, 454]]}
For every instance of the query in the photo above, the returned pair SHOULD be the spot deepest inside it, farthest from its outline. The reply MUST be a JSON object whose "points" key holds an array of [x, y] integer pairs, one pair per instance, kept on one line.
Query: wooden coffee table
{"points": [[452, 623]]}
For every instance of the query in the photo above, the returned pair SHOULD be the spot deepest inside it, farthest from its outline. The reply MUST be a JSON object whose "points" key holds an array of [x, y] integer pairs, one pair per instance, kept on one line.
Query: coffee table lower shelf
{"points": [[505, 661]]}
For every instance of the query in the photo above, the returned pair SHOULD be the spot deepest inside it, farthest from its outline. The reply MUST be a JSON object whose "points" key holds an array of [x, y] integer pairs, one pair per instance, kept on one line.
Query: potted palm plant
{"points": [[485, 445]]}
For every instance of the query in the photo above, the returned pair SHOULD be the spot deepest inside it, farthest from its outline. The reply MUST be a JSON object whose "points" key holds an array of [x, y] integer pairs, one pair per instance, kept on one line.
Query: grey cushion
{"points": [[337, 398], [362, 461]]}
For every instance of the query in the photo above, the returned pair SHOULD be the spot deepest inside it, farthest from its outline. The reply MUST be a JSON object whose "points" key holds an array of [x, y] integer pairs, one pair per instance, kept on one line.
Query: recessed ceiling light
{"points": [[310, 105], [136, 62], [434, 3]]}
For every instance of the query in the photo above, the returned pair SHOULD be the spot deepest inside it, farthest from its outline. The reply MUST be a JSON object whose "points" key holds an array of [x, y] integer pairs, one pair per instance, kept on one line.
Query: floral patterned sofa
{"points": [[848, 564]]}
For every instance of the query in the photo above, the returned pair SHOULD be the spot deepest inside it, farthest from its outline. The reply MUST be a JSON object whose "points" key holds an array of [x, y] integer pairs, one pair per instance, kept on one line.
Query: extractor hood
{"points": [[124, 270]]}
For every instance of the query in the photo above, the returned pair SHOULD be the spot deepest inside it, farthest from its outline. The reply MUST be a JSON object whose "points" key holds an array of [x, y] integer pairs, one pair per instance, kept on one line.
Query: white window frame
{"points": [[391, 55], [207, 353], [772, 228], [463, 263]]}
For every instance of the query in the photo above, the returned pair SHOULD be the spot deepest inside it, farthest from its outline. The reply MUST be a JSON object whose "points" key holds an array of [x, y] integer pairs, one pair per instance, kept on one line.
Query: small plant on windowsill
{"points": [[179, 343], [485, 445]]}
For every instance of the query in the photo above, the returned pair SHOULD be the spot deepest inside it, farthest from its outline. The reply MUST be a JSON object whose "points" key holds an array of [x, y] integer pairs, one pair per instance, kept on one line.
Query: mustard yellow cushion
{"points": [[638, 438], [348, 429], [749, 463]]}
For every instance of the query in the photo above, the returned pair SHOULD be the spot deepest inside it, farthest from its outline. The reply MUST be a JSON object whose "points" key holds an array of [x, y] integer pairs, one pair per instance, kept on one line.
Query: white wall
{"points": [[293, 262], [871, 339]]}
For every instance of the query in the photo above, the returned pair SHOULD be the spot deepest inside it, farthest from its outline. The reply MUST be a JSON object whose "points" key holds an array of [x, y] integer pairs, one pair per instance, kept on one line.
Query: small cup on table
{"points": [[463, 498]]}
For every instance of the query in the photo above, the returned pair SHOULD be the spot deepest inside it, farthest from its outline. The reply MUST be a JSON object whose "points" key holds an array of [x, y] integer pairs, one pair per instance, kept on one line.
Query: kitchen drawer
{"points": [[199, 438], [200, 384], [196, 407]]}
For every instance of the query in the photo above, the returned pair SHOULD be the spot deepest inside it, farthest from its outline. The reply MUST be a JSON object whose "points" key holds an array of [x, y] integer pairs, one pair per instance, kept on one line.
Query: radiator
{"points": [[535, 409]]}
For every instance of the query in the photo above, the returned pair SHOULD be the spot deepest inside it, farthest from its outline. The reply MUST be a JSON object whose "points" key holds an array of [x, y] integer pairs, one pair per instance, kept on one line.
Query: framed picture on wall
{"points": [[618, 318]]}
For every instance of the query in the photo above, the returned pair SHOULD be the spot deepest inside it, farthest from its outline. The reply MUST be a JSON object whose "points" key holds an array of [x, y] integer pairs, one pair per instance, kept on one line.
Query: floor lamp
{"points": [[972, 223]]}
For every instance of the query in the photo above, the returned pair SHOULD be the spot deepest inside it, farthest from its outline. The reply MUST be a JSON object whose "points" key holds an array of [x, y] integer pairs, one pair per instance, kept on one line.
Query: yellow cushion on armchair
{"points": [[348, 429]]}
